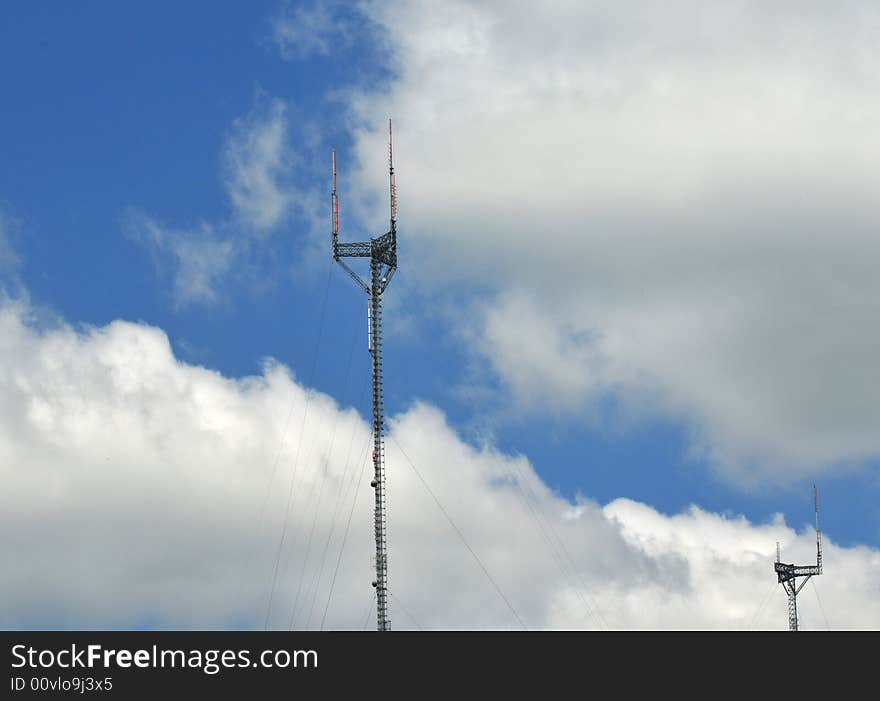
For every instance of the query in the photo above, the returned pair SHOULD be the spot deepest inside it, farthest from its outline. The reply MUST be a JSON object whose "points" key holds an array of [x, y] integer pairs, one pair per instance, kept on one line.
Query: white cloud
{"points": [[520, 339], [257, 159], [671, 203], [257, 162], [134, 487], [304, 30], [199, 257], [9, 260]]}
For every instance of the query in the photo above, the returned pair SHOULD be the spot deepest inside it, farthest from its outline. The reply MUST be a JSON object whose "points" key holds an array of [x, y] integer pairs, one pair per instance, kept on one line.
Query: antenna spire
{"points": [[334, 209], [392, 182]]}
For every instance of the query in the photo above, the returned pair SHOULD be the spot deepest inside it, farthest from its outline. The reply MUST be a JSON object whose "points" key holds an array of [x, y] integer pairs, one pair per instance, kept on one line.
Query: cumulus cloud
{"points": [[256, 158], [143, 491], [9, 260], [199, 257], [303, 30], [670, 205]]}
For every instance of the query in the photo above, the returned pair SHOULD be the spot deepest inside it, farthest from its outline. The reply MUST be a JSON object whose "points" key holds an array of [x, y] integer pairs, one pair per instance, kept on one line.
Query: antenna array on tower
{"points": [[382, 253], [787, 574]]}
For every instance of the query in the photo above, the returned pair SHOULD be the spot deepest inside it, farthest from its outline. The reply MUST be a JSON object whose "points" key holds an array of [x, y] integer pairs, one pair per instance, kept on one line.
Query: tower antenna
{"points": [[787, 574], [334, 207], [382, 252], [392, 182]]}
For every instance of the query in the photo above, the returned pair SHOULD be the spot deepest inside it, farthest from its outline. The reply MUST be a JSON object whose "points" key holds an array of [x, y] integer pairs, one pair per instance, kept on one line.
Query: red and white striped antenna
{"points": [[335, 198], [335, 205], [392, 182]]}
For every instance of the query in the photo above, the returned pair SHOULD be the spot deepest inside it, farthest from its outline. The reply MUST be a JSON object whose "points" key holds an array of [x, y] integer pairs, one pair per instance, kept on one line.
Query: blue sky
{"points": [[119, 118]]}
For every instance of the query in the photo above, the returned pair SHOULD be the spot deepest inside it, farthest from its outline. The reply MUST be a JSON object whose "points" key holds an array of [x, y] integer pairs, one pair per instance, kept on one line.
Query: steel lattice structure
{"points": [[382, 253], [787, 574]]}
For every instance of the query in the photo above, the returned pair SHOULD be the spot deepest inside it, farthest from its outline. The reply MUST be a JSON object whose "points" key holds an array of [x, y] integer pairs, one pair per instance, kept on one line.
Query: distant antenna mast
{"points": [[788, 574], [382, 252]]}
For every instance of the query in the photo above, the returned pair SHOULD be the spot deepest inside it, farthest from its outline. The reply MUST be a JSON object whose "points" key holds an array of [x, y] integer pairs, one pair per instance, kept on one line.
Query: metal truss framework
{"points": [[788, 574], [382, 253]]}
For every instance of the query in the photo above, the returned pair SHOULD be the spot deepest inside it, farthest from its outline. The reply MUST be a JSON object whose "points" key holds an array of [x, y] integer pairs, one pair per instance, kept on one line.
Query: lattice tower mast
{"points": [[382, 252]]}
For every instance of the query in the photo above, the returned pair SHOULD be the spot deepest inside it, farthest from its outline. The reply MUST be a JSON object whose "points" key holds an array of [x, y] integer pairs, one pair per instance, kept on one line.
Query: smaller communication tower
{"points": [[788, 574]]}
